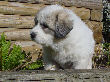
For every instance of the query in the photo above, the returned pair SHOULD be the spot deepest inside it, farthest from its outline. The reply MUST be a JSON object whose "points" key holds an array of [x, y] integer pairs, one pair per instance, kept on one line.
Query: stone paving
{"points": [[94, 75]]}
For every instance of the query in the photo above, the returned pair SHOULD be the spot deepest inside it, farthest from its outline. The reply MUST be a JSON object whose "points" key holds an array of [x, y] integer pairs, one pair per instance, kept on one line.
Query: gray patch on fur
{"points": [[63, 25]]}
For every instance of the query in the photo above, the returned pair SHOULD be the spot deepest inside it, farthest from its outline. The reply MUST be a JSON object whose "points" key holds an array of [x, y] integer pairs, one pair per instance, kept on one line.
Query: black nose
{"points": [[33, 35]]}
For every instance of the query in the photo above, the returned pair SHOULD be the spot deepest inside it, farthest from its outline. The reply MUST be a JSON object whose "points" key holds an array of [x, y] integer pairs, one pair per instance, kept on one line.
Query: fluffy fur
{"points": [[67, 41]]}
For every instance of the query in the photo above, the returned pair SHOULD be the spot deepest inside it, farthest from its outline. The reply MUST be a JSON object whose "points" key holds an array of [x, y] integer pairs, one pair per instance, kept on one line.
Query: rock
{"points": [[97, 29], [83, 13], [96, 15]]}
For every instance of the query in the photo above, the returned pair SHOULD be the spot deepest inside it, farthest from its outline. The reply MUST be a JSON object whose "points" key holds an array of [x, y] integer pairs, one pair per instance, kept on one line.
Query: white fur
{"points": [[77, 47]]}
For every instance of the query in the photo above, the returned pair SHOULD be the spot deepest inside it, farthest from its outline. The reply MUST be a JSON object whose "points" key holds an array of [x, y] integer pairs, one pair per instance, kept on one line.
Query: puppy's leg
{"points": [[50, 67], [84, 64], [89, 64], [49, 63]]}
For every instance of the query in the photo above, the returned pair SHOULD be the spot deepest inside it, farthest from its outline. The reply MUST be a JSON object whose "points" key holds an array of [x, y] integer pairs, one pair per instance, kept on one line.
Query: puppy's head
{"points": [[52, 22]]}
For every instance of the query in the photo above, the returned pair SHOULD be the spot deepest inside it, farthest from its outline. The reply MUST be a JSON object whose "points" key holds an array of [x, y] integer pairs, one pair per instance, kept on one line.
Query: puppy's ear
{"points": [[63, 25]]}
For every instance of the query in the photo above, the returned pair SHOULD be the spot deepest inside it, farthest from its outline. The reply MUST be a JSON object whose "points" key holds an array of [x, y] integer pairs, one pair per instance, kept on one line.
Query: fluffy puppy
{"points": [[67, 41]]}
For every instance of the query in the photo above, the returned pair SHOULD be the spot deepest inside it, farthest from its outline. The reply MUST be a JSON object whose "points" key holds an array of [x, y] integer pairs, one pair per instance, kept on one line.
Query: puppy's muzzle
{"points": [[33, 35]]}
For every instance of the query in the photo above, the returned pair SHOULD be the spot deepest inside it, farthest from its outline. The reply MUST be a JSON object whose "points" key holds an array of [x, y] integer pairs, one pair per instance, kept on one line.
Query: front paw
{"points": [[50, 67]]}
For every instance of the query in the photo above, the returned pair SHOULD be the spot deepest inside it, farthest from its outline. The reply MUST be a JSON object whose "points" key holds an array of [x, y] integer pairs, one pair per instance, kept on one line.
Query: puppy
{"points": [[67, 41]]}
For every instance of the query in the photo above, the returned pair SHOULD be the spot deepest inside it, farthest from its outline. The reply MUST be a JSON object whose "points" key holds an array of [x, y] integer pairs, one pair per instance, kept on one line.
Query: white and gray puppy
{"points": [[67, 41]]}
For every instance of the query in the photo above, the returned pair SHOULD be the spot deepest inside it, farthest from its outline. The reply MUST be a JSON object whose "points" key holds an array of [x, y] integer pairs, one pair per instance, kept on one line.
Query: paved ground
{"points": [[57, 76]]}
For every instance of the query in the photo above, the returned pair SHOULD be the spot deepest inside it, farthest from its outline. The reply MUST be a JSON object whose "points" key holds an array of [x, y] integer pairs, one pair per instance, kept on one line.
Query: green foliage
{"points": [[106, 20], [34, 65], [106, 50], [102, 59], [13, 57], [10, 56], [0, 58]]}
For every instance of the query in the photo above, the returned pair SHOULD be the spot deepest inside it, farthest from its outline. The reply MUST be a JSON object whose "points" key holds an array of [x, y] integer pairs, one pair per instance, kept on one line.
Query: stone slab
{"points": [[93, 75], [96, 15]]}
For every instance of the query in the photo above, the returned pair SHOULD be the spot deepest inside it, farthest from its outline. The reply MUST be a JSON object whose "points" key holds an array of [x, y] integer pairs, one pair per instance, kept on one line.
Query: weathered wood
{"points": [[15, 21], [92, 4], [19, 34], [24, 5], [6, 29], [31, 9], [65, 2], [57, 76], [11, 0], [10, 8], [17, 10], [28, 46], [27, 43]]}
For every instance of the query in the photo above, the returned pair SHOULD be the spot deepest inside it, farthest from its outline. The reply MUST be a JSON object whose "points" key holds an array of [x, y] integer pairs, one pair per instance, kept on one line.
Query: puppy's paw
{"points": [[50, 67]]}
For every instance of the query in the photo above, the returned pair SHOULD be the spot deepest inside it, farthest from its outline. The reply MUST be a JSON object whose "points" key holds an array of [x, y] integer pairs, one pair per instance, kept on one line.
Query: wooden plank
{"points": [[19, 34], [26, 43], [6, 29], [24, 5], [15, 21], [92, 4], [11, 0], [20, 8], [30, 47], [17, 10]]}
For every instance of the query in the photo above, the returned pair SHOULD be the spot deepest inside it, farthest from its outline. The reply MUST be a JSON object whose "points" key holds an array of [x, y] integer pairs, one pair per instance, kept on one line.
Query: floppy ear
{"points": [[63, 25]]}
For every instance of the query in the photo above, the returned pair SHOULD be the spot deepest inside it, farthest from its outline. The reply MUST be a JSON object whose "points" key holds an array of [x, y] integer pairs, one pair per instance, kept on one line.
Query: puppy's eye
{"points": [[36, 21], [44, 25]]}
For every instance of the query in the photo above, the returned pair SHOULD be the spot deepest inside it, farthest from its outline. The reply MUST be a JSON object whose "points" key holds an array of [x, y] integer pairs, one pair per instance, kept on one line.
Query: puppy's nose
{"points": [[33, 35]]}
